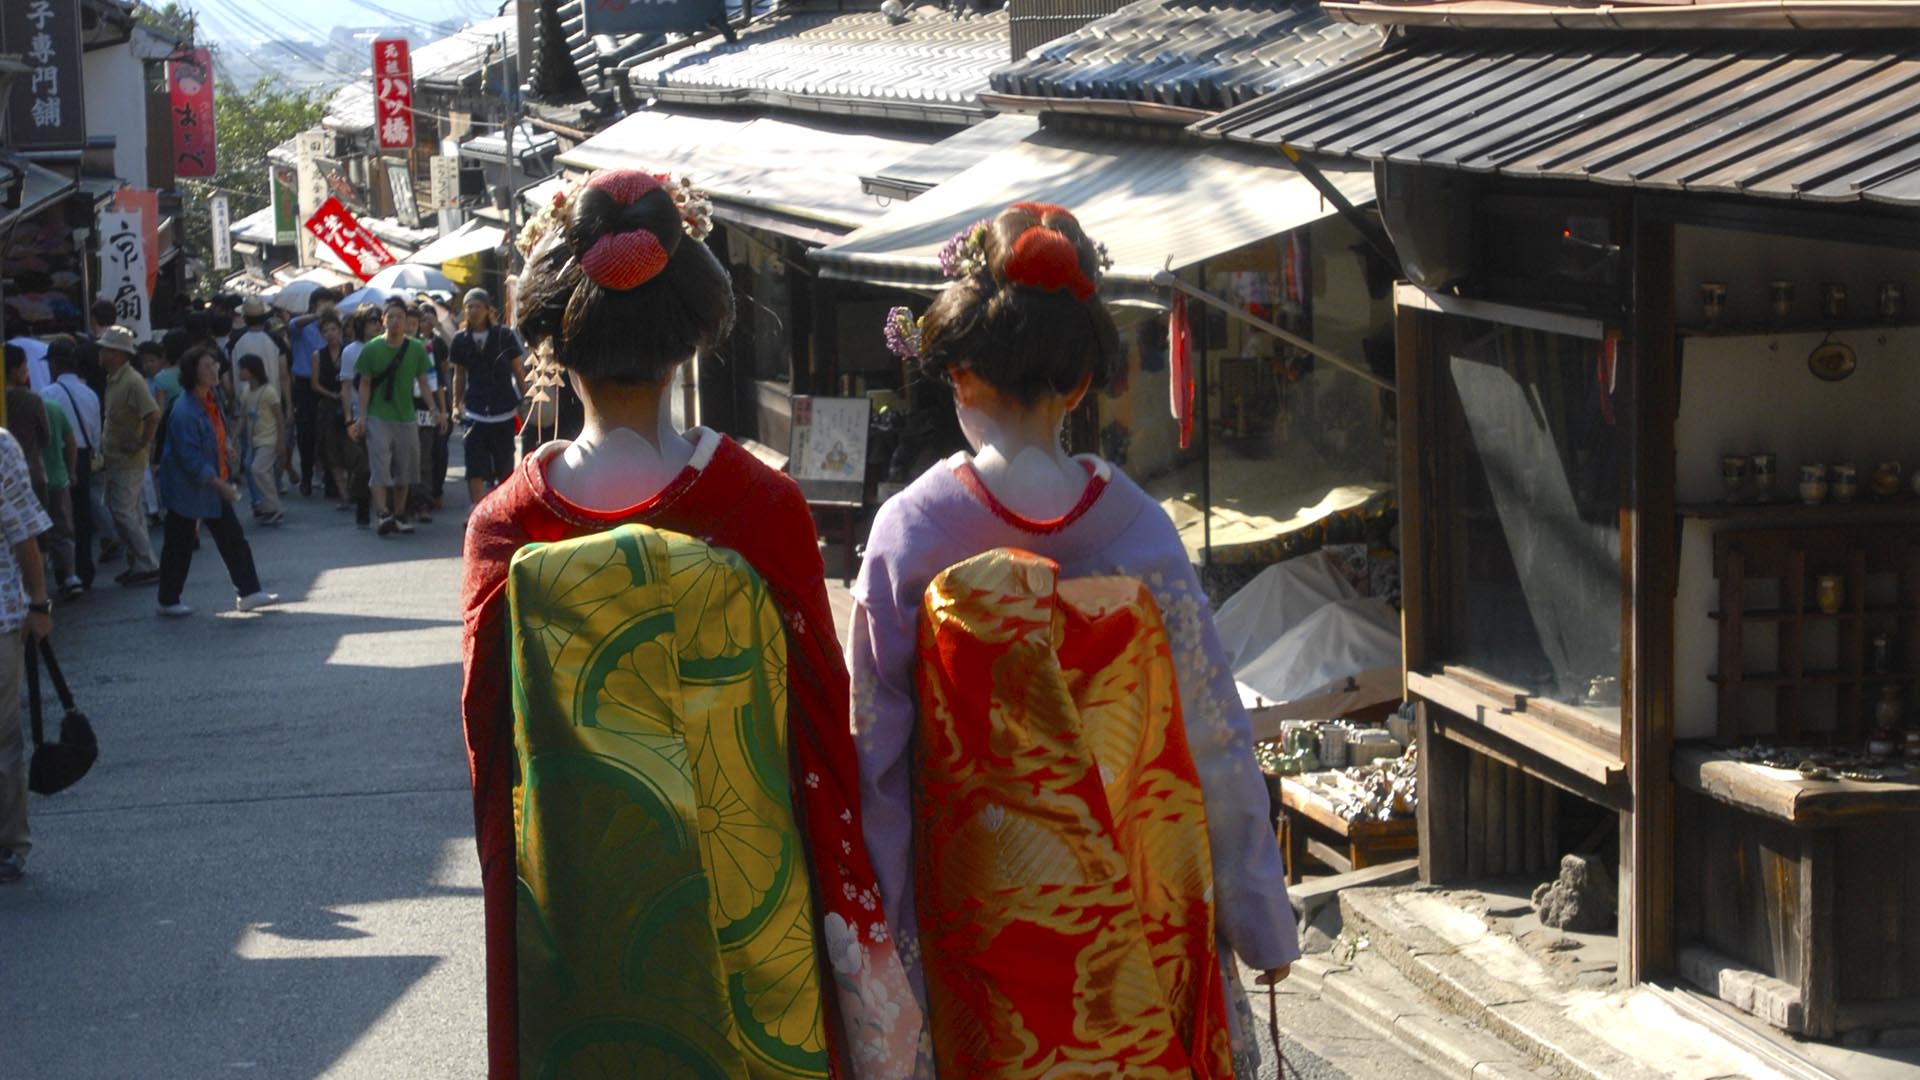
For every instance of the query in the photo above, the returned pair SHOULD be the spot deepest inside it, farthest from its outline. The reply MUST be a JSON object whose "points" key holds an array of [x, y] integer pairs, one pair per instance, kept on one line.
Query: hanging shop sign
{"points": [[335, 226], [309, 148], [392, 94], [123, 269], [222, 225], [45, 111], [400, 183], [147, 202], [285, 185], [443, 187], [190, 86], [652, 16]]}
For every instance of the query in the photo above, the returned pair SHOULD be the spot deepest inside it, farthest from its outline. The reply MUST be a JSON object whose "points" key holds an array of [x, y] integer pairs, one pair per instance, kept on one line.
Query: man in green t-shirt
{"points": [[388, 370]]}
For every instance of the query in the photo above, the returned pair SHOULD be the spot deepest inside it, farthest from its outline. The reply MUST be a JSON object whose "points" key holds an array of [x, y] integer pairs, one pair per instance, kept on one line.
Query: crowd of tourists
{"points": [[1012, 826], [224, 417]]}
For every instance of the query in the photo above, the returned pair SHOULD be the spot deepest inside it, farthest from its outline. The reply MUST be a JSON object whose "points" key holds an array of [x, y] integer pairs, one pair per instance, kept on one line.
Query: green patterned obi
{"points": [[665, 926]]}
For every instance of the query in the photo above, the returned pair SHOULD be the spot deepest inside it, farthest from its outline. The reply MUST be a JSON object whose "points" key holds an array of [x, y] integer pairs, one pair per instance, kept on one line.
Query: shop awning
{"points": [[255, 228], [761, 171], [469, 239], [932, 166], [1154, 205], [42, 188]]}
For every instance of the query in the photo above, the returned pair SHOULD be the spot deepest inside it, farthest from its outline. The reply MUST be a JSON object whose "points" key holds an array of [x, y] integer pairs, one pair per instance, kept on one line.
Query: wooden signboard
{"points": [[829, 456]]}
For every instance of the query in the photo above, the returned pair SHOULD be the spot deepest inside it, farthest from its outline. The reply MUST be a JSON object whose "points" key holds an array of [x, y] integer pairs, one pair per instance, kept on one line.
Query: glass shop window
{"points": [[763, 330], [1295, 438], [1534, 461]]}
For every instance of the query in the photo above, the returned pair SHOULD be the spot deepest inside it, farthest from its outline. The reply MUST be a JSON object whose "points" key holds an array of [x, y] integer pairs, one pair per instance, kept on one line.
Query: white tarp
{"points": [[1299, 637]]}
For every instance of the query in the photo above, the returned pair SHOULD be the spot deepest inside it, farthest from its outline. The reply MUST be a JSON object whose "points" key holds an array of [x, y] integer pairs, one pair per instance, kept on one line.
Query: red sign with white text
{"points": [[337, 228], [392, 94], [190, 88]]}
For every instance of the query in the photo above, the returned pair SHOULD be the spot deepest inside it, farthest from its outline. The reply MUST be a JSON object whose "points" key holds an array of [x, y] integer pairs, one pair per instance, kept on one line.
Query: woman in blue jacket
{"points": [[195, 489]]}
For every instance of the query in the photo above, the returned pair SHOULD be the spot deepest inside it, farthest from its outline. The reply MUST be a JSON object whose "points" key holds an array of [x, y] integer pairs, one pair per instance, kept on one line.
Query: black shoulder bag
{"points": [[57, 765]]}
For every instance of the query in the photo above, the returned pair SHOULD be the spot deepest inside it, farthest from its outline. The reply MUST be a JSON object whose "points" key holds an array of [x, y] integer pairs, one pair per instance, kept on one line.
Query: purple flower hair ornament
{"points": [[966, 254], [902, 332]]}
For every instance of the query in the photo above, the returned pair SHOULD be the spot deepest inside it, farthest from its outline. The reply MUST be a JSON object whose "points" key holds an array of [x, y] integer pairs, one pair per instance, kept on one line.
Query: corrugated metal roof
{"points": [[1197, 56], [948, 158], [1813, 116], [932, 59]]}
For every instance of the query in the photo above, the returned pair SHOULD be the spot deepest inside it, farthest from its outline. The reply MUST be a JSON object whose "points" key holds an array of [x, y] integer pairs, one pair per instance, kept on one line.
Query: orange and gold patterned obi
{"points": [[1064, 882]]}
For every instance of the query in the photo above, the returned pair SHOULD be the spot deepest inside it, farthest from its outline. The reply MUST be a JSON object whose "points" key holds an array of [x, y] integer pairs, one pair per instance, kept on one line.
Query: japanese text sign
{"points": [[123, 269], [337, 228], [392, 94], [220, 219], [46, 111], [190, 104]]}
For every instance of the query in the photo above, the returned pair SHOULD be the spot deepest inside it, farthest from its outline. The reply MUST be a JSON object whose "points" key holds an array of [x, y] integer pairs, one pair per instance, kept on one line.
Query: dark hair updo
{"points": [[1037, 335], [634, 334]]}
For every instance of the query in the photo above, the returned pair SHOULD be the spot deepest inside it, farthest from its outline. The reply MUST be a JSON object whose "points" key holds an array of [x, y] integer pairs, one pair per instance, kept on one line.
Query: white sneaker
{"points": [[256, 601], [175, 611]]}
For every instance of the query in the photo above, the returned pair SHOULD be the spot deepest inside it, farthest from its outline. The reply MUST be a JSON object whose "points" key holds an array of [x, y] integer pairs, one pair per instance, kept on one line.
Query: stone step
{"points": [[1486, 979], [1384, 1002]]}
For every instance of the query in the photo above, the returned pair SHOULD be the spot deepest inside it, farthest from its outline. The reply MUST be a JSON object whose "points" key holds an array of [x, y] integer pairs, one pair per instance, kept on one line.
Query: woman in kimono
{"points": [[1058, 777], [654, 706]]}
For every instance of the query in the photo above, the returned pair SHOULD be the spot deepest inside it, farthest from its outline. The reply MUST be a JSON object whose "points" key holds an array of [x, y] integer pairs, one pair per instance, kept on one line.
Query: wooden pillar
{"points": [[1650, 552], [1442, 810]]}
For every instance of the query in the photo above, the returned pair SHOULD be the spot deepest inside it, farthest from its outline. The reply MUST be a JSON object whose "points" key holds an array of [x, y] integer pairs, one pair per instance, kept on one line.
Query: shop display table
{"points": [[1310, 828], [1796, 899]]}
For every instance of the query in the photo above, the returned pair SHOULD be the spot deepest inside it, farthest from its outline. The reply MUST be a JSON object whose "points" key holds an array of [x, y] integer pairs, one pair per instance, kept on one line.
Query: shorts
{"points": [[490, 451], [393, 452]]}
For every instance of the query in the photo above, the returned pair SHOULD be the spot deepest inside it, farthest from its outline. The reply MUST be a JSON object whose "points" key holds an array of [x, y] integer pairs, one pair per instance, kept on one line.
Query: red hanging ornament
{"points": [[1180, 368]]}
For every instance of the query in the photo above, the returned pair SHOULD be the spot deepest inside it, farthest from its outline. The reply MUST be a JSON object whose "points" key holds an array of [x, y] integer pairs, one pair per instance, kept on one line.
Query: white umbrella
{"points": [[295, 297], [413, 276], [371, 294]]}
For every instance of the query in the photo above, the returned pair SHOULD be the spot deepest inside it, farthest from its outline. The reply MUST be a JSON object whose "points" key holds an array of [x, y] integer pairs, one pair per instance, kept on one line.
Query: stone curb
{"points": [[1401, 1015], [1532, 1031]]}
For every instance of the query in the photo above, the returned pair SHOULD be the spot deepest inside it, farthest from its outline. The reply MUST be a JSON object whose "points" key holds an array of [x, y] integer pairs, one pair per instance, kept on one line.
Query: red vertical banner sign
{"points": [[190, 86], [148, 204], [337, 228], [392, 94]]}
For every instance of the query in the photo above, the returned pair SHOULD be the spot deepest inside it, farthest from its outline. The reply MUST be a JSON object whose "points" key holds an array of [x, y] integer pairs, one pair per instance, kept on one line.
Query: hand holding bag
{"points": [[58, 765]]}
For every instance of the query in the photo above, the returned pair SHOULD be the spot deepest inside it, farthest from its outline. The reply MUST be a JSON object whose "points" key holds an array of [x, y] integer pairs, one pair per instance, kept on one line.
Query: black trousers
{"points": [[306, 433], [176, 553], [83, 517]]}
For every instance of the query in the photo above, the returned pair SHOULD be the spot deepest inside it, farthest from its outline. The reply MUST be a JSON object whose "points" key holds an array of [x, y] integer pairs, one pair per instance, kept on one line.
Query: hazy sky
{"points": [[244, 20]]}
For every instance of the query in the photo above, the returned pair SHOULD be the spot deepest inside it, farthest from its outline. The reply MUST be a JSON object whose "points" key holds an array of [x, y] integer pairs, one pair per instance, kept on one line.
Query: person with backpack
{"points": [[391, 369], [488, 372]]}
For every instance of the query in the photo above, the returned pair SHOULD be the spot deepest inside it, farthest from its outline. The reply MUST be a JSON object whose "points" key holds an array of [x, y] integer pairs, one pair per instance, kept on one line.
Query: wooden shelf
{"points": [[1764, 615], [1813, 678], [1798, 512], [1783, 795], [1769, 330]]}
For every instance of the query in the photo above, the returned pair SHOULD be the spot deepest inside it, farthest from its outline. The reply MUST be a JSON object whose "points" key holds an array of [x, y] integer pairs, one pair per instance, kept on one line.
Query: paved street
{"points": [[270, 873]]}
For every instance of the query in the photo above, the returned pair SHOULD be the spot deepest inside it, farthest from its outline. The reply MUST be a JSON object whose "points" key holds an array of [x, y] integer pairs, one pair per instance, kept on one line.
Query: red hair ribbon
{"points": [[628, 259], [1044, 258]]}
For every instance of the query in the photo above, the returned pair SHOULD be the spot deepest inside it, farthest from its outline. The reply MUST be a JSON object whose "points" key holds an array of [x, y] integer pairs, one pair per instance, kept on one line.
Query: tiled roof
{"points": [[1199, 56], [597, 56], [834, 60], [464, 55]]}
